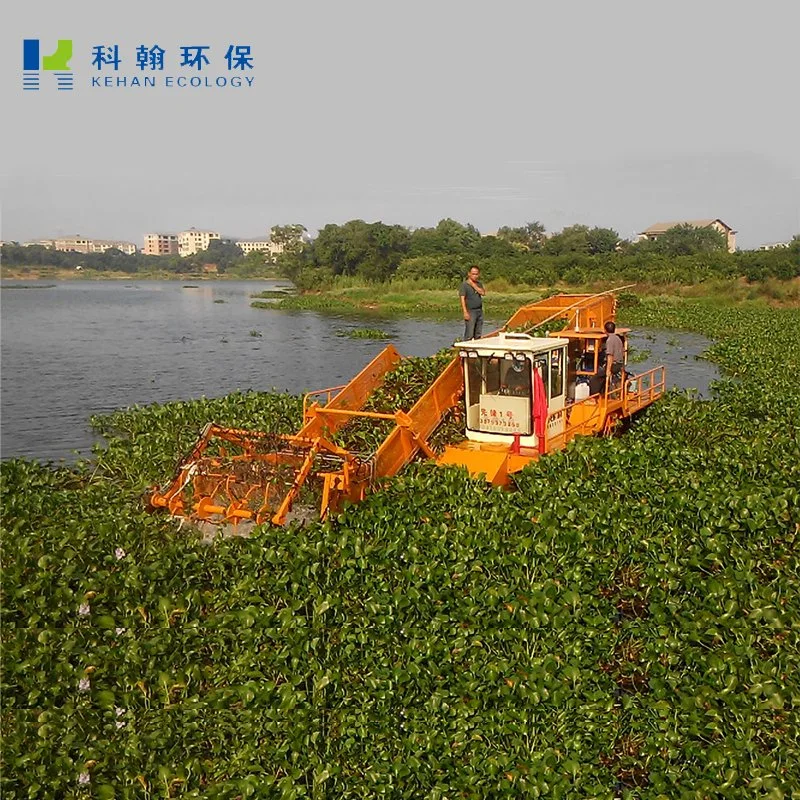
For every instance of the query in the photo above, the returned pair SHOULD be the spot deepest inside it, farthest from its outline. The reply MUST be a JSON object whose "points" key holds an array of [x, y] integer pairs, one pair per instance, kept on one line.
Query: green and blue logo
{"points": [[56, 63], [146, 66]]}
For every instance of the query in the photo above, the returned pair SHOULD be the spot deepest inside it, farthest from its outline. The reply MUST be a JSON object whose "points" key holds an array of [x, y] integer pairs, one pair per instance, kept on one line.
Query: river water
{"points": [[80, 348]]}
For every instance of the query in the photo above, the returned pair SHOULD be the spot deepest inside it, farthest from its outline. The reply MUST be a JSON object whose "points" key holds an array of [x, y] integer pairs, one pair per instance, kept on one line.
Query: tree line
{"points": [[376, 252]]}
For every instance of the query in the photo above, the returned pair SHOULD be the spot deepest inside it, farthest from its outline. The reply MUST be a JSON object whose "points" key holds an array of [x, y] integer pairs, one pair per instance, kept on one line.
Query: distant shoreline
{"points": [[52, 273]]}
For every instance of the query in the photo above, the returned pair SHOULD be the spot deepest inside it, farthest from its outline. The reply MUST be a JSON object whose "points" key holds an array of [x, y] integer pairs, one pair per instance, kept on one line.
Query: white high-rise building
{"points": [[193, 241]]}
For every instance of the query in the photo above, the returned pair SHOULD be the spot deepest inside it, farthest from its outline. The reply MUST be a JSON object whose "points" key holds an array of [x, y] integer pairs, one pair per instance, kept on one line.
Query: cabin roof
{"points": [[511, 342]]}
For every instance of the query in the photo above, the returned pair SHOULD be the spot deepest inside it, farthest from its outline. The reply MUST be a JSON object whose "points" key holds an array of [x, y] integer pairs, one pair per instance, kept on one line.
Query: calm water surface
{"points": [[86, 347]]}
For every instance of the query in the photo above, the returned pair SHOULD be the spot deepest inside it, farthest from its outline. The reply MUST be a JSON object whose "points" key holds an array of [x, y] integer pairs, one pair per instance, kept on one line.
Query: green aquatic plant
{"points": [[364, 333], [622, 625], [636, 356], [273, 293], [5, 287]]}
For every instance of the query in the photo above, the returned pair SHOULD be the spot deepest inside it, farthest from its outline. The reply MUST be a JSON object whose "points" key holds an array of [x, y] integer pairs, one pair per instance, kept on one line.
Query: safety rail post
{"points": [[327, 392], [649, 386], [570, 429], [547, 439]]}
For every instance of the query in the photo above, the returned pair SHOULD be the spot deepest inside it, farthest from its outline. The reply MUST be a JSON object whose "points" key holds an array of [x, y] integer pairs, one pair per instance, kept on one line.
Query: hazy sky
{"points": [[618, 113]]}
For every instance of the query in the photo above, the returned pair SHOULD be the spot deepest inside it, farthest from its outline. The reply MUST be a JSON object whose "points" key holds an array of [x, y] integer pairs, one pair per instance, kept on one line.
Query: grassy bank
{"points": [[432, 300], [374, 301]]}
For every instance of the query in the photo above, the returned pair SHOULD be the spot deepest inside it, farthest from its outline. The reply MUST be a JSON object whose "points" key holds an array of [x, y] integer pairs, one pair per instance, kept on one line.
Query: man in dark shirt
{"points": [[471, 294], [615, 352]]}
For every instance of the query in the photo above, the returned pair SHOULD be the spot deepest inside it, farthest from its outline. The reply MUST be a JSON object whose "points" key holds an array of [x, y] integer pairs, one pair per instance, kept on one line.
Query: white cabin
{"points": [[499, 384]]}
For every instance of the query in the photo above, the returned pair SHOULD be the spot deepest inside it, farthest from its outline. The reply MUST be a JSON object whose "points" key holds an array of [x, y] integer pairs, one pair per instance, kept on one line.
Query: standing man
{"points": [[471, 294], [615, 352]]}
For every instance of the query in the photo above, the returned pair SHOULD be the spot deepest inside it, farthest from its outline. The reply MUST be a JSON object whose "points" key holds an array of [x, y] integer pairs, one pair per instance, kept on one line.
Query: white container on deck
{"points": [[581, 391]]}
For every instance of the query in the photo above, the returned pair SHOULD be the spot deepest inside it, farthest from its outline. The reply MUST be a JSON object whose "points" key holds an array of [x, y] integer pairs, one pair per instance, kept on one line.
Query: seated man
{"points": [[516, 382], [615, 354], [597, 383]]}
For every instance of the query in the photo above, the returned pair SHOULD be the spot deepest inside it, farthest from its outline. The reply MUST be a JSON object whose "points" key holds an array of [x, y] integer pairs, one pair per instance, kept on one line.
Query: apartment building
{"points": [[160, 244], [101, 245], [77, 244], [193, 241], [80, 244], [248, 246]]}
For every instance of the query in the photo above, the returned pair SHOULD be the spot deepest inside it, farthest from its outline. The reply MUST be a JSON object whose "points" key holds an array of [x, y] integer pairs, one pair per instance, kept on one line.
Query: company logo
{"points": [[187, 66], [146, 66], [56, 63]]}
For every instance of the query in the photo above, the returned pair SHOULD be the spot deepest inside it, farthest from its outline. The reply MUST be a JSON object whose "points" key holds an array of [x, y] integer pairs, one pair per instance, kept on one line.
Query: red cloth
{"points": [[539, 406]]}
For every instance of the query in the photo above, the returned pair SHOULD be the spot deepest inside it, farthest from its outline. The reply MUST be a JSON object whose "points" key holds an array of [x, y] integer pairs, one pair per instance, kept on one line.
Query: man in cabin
{"points": [[471, 294], [516, 379], [615, 352]]}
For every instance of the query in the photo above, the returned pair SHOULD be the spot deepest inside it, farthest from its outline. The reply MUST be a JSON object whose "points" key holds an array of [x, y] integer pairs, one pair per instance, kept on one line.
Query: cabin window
{"points": [[498, 394], [556, 373], [474, 381], [540, 363]]}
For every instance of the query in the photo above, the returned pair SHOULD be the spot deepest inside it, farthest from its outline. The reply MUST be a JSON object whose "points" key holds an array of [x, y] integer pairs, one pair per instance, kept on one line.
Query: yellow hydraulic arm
{"points": [[582, 311]]}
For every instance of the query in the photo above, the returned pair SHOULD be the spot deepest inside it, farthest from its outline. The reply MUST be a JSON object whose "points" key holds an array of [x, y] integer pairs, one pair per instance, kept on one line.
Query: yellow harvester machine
{"points": [[521, 396]]}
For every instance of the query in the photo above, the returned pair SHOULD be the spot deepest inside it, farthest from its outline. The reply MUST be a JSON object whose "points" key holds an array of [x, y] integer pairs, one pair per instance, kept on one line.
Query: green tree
{"points": [[256, 264], [528, 237], [289, 236], [582, 239], [687, 240], [602, 240], [492, 247], [572, 239], [222, 252], [296, 253], [371, 250], [342, 247], [448, 236]]}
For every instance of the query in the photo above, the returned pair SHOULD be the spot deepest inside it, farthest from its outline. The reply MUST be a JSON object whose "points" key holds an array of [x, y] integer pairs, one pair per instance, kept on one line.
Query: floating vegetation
{"points": [[256, 334], [5, 287], [636, 356], [364, 333], [401, 388], [273, 293], [622, 625]]}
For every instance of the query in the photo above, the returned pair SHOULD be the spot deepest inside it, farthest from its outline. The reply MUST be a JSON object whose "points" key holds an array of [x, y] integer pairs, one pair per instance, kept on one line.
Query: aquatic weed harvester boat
{"points": [[520, 396]]}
